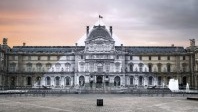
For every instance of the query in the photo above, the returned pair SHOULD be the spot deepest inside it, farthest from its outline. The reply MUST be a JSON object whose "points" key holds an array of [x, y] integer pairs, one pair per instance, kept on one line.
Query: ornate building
{"points": [[98, 64]]}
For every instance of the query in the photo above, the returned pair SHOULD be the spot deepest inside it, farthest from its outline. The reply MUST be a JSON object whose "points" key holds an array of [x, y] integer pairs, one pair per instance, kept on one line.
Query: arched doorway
{"points": [[117, 81], [159, 80], [67, 81], [99, 81], [57, 81], [150, 80], [48, 81], [141, 80], [81, 81]]}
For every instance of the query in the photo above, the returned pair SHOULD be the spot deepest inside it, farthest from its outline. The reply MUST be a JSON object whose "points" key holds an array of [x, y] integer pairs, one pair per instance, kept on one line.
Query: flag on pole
{"points": [[100, 16]]}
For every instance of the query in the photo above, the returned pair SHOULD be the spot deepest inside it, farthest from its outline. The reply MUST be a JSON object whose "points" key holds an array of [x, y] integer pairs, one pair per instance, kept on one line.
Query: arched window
{"points": [[100, 67], [150, 80], [38, 66], [131, 80], [29, 67], [48, 65], [67, 81], [131, 67], [159, 66], [141, 80], [140, 66], [117, 81], [29, 80], [58, 65], [168, 67], [150, 67], [67, 66], [48, 81], [81, 80]]}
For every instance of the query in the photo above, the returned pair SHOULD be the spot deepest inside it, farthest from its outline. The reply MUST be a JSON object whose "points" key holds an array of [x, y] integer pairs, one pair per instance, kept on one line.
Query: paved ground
{"points": [[87, 103]]}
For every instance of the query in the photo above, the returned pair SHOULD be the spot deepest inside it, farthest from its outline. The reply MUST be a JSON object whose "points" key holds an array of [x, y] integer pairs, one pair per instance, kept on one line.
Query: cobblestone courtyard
{"points": [[87, 103]]}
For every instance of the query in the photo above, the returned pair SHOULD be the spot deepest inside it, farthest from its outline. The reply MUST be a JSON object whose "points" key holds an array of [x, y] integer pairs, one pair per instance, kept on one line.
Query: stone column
{"points": [[111, 81], [52, 81], [136, 80], [77, 80], [42, 81], [145, 81], [62, 81]]}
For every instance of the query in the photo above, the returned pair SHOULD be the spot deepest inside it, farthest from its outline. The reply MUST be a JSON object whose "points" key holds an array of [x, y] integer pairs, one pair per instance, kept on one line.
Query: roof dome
{"points": [[99, 31]]}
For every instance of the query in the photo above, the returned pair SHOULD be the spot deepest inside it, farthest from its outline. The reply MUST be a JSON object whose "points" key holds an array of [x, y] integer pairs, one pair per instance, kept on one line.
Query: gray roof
{"points": [[154, 49], [45, 49], [70, 49], [99, 31]]}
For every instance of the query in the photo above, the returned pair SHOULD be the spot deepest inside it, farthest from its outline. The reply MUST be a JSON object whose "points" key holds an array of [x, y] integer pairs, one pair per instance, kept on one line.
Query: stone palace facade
{"points": [[98, 64]]}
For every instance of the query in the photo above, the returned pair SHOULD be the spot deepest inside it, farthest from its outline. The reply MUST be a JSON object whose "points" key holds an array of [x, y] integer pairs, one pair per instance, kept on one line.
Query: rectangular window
{"points": [[29, 58], [58, 57], [117, 57], [131, 57], [184, 57], [13, 57], [81, 56], [150, 68], [168, 68], [159, 57], [48, 58], [159, 68], [140, 57], [149, 57], [29, 68], [168, 58], [67, 57], [39, 58]]}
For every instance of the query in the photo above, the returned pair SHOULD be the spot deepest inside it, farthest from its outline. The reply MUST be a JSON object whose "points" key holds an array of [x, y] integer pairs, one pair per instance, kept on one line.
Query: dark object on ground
{"points": [[99, 102], [192, 98]]}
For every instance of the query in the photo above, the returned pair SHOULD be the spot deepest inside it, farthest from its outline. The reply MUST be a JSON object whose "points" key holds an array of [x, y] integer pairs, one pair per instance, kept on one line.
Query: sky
{"points": [[63, 22]]}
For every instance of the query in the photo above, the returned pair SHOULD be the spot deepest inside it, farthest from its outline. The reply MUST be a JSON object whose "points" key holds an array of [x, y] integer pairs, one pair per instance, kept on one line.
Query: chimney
{"points": [[24, 43], [192, 42], [172, 45], [5, 40], [111, 30], [87, 30], [76, 44]]}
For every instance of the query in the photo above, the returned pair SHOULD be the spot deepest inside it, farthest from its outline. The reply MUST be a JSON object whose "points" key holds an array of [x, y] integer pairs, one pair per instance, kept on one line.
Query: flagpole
{"points": [[99, 20]]}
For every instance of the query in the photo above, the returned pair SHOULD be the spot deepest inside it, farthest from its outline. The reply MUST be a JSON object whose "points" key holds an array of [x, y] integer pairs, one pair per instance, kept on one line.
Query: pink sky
{"points": [[63, 22]]}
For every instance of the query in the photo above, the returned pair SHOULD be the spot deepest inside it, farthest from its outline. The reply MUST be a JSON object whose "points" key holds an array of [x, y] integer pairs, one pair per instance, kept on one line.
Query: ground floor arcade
{"points": [[92, 81]]}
